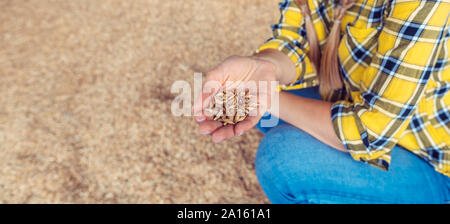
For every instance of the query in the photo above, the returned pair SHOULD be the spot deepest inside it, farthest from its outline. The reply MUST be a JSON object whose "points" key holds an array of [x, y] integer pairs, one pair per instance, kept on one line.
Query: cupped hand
{"points": [[235, 72]]}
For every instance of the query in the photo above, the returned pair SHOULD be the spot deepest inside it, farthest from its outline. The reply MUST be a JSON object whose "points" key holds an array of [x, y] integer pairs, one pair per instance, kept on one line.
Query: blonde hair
{"points": [[325, 65]]}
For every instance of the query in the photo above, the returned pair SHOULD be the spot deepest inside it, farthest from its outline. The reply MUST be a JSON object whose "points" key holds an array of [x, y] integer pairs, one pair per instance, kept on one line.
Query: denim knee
{"points": [[294, 167], [274, 161], [290, 163], [278, 145]]}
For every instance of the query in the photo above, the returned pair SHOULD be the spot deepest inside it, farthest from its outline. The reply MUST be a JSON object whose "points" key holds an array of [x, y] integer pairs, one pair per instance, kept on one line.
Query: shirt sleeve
{"points": [[289, 37], [394, 82]]}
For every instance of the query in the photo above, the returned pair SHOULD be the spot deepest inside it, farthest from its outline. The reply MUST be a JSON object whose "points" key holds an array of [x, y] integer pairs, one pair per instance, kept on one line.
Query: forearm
{"points": [[312, 116]]}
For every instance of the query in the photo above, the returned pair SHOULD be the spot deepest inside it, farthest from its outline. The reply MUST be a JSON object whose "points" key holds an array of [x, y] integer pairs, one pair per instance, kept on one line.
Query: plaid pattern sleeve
{"points": [[394, 84], [289, 37]]}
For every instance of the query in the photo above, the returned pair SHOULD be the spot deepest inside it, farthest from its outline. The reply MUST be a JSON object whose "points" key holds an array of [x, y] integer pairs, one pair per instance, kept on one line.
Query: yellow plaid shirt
{"points": [[394, 60]]}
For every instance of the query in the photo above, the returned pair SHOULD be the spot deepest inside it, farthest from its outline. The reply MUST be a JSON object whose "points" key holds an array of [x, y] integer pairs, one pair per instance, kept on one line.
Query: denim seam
{"points": [[348, 195], [440, 194], [431, 186]]}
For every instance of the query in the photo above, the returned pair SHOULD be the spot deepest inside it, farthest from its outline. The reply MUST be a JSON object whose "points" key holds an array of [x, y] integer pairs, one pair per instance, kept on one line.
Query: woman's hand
{"points": [[242, 72]]}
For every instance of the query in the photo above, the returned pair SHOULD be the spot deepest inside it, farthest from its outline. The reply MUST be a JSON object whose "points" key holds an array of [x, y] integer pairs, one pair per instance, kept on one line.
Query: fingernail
{"points": [[205, 133], [240, 134], [215, 141], [200, 119]]}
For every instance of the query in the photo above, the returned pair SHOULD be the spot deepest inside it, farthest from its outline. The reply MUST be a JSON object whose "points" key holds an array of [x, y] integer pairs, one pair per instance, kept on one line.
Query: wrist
{"points": [[285, 69], [269, 62]]}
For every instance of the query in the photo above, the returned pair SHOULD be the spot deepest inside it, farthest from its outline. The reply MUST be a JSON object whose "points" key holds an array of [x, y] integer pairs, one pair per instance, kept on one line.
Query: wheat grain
{"points": [[231, 106]]}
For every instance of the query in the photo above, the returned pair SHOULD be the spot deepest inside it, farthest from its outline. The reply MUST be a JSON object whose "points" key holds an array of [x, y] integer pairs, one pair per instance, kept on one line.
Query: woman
{"points": [[377, 127]]}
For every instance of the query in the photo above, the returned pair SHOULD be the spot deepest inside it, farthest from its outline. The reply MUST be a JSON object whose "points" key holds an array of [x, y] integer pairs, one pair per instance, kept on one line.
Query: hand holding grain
{"points": [[236, 72]]}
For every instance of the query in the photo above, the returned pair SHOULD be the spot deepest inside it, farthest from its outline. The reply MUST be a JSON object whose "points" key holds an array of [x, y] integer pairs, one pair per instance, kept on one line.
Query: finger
{"points": [[214, 80], [206, 94], [199, 106], [208, 127], [246, 124], [209, 90], [223, 133]]}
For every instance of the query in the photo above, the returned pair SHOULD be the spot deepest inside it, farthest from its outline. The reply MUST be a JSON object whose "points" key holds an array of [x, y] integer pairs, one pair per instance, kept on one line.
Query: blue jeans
{"points": [[294, 167]]}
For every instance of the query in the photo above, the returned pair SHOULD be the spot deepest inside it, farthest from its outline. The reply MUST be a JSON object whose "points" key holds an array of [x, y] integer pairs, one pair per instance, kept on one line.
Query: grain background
{"points": [[85, 100]]}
